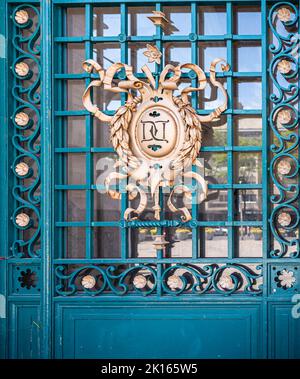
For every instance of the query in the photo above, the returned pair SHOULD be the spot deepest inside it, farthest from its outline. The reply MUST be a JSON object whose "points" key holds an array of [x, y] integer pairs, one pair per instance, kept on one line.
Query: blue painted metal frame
{"points": [[48, 8]]}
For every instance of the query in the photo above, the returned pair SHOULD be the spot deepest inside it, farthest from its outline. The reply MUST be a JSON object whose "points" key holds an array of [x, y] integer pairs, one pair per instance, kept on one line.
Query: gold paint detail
{"points": [[22, 219], [284, 167], [139, 281], [159, 19], [21, 119], [22, 68], [284, 66], [284, 116], [155, 134], [22, 169], [153, 54], [21, 17], [88, 281], [284, 219], [284, 14]]}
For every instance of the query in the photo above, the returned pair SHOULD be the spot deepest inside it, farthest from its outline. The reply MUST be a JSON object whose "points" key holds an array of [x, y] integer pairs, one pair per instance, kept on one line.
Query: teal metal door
{"points": [[77, 280]]}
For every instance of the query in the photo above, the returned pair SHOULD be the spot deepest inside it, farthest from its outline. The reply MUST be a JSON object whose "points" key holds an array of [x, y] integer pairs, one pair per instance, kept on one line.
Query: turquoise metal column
{"points": [[46, 174]]}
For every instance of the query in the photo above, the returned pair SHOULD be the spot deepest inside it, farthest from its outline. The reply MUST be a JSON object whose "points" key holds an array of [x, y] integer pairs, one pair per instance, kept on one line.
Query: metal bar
{"points": [[46, 178]]}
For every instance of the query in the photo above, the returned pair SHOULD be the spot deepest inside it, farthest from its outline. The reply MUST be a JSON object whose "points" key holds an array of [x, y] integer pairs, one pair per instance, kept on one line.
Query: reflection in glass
{"points": [[180, 18], [247, 57], [249, 241], [247, 205], [75, 57], [248, 95], [75, 89], [103, 165], [75, 205], [177, 53], [247, 168], [75, 168], [215, 134], [180, 242], [247, 20], [75, 242], [211, 97], [248, 131], [209, 51], [141, 242], [215, 167], [75, 131], [212, 20], [106, 54], [106, 208], [106, 21], [139, 23], [215, 206], [136, 58], [76, 22], [213, 242], [101, 133], [106, 242]]}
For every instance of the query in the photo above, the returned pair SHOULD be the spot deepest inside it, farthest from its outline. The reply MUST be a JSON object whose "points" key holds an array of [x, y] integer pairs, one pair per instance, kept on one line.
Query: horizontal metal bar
{"points": [[156, 260]]}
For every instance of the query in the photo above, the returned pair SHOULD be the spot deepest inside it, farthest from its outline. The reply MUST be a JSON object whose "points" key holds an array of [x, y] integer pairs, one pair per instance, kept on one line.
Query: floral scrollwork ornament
{"points": [[156, 135]]}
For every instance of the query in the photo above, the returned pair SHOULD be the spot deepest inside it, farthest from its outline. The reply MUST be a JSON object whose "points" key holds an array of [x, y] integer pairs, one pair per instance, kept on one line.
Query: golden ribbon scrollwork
{"points": [[156, 135]]}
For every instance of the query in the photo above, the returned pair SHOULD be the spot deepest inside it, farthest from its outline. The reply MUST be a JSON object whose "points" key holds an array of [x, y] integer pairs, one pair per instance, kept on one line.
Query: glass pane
{"points": [[106, 208], [141, 242], [106, 21], [75, 90], [215, 167], [75, 58], [213, 242], [180, 18], [75, 243], [103, 165], [107, 242], [248, 95], [76, 205], [247, 20], [215, 134], [247, 131], [212, 20], [139, 23], [211, 97], [75, 131], [76, 168], [215, 207], [101, 133], [247, 57], [177, 53], [136, 57], [249, 241], [209, 51], [247, 168], [106, 53], [247, 205], [180, 242], [76, 22]]}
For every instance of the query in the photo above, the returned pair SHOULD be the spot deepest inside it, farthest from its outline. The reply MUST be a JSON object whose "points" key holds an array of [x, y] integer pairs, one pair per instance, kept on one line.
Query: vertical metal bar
{"points": [[230, 134], [265, 161], [124, 59], [89, 140], [46, 177], [194, 47]]}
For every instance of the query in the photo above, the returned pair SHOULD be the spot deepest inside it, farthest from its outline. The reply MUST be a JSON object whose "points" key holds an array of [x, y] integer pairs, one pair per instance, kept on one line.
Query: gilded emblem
{"points": [[156, 135]]}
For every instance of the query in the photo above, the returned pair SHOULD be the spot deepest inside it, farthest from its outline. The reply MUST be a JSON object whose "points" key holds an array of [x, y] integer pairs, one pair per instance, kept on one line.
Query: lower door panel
{"points": [[159, 331]]}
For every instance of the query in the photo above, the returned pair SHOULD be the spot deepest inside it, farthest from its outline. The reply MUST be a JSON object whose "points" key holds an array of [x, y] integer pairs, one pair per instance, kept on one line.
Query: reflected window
{"points": [[106, 21]]}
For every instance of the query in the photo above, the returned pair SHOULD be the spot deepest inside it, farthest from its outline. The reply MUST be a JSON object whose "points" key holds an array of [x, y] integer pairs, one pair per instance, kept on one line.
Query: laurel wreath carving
{"points": [[120, 137]]}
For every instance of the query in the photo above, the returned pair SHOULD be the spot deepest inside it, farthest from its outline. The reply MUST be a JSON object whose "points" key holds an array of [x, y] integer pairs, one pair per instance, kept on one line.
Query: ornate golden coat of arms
{"points": [[156, 135]]}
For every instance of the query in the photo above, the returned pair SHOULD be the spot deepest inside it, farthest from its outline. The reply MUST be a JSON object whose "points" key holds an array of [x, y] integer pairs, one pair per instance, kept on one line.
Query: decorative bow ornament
{"points": [[155, 134]]}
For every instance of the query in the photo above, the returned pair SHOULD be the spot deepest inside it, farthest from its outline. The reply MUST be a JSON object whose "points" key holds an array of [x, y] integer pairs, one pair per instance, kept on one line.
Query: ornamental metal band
{"points": [[156, 135]]}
